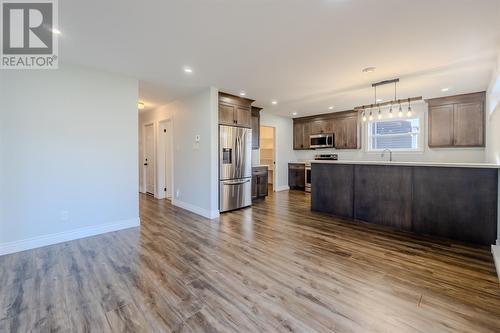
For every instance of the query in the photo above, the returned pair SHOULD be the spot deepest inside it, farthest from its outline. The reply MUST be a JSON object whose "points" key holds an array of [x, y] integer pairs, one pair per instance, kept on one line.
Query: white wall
{"points": [[195, 167], [68, 141], [493, 118], [435, 155]]}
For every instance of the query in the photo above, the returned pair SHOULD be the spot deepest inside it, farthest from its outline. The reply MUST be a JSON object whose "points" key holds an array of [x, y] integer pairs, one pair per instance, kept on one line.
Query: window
{"points": [[395, 134]]}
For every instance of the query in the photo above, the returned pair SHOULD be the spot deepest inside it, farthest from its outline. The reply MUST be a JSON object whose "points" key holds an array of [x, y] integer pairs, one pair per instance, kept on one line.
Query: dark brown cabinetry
{"points": [[234, 110], [334, 192], [297, 176], [301, 133], [322, 126], [457, 121], [256, 127], [259, 182], [455, 203], [344, 125], [346, 132]]}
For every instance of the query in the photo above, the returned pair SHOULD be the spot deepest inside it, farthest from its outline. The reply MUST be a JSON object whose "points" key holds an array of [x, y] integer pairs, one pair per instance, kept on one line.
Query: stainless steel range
{"points": [[235, 173], [308, 167]]}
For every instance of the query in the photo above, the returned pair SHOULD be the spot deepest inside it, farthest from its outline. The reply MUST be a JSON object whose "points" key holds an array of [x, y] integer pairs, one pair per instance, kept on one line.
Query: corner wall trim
{"points": [[65, 236], [495, 249], [282, 188], [209, 214]]}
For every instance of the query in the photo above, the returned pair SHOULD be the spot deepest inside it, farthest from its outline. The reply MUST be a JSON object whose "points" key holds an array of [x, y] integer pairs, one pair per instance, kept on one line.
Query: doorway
{"points": [[149, 158], [268, 152], [165, 165]]}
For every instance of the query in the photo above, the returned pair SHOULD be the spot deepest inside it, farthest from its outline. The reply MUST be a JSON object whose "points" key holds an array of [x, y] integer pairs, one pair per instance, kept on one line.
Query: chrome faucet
{"points": [[390, 154]]}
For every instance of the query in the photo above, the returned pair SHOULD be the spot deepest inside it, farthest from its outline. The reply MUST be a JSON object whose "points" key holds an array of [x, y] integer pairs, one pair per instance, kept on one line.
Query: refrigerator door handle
{"points": [[237, 153], [235, 182]]}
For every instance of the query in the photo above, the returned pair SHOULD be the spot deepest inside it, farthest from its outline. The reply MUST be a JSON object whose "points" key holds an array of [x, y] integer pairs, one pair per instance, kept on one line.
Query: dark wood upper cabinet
{"points": [[346, 132], [256, 127], [344, 125], [468, 122], [441, 126], [457, 121], [234, 110], [243, 116], [301, 133], [226, 114], [322, 126]]}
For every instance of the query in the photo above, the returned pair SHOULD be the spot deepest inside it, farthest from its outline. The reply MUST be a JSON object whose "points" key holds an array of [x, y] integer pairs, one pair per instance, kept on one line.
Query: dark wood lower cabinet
{"points": [[454, 203], [383, 195], [334, 189], [297, 176], [259, 182], [457, 203]]}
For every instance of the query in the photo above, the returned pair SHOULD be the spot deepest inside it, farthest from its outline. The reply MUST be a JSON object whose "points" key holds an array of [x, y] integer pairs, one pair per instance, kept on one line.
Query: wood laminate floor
{"points": [[276, 267]]}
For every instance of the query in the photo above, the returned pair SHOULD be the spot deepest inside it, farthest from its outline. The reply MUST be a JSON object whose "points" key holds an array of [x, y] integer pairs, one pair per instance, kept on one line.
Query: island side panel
{"points": [[332, 189], [383, 195], [456, 203]]}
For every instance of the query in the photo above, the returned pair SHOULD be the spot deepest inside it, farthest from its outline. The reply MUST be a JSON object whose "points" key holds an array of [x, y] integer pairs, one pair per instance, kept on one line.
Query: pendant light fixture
{"points": [[369, 110]]}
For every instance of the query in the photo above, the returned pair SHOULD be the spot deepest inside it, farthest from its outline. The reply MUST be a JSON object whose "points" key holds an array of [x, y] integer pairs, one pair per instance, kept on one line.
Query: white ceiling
{"points": [[307, 54]]}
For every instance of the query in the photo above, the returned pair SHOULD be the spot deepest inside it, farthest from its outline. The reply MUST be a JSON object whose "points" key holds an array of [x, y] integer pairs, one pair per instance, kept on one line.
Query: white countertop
{"points": [[430, 164], [260, 166]]}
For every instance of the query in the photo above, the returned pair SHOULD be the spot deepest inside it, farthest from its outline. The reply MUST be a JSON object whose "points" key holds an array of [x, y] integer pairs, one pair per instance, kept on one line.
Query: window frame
{"points": [[420, 140]]}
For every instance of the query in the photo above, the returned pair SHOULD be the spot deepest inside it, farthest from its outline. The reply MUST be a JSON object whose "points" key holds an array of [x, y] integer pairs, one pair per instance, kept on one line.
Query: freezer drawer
{"points": [[234, 194]]}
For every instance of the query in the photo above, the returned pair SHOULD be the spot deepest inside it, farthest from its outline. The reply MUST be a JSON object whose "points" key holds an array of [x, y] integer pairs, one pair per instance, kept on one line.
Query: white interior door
{"points": [[149, 163], [165, 160]]}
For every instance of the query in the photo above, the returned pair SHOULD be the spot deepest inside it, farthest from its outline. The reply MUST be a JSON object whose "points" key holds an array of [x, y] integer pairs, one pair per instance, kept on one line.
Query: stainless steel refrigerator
{"points": [[235, 173]]}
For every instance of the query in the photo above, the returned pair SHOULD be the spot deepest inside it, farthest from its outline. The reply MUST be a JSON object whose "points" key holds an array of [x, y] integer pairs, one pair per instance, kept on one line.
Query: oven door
{"points": [[308, 179]]}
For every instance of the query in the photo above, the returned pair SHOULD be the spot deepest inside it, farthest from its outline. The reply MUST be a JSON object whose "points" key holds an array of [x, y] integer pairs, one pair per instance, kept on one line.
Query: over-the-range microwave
{"points": [[326, 140]]}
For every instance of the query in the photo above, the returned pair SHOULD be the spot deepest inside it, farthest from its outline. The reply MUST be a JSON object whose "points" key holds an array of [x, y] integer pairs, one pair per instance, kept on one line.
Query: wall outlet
{"points": [[177, 193], [64, 215]]}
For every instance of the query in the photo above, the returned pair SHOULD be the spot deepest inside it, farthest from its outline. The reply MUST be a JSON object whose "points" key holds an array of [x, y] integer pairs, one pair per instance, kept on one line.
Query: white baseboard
{"points": [[281, 188], [65, 236], [209, 214], [495, 249]]}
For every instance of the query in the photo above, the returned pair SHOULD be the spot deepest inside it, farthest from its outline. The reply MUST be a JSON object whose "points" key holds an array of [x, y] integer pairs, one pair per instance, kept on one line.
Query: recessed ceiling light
{"points": [[445, 89], [369, 69], [188, 70], [56, 31], [379, 100], [294, 113], [243, 93], [330, 108], [274, 102]]}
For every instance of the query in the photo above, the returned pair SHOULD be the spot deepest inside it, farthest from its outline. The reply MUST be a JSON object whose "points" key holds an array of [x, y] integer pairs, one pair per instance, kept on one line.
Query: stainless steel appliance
{"points": [[308, 176], [235, 172], [333, 157], [326, 140]]}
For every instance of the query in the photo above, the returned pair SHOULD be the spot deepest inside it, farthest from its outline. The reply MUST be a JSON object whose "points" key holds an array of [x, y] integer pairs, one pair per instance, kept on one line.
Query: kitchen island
{"points": [[451, 200]]}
